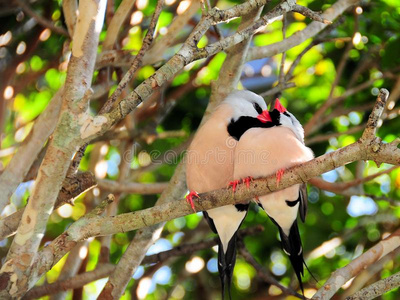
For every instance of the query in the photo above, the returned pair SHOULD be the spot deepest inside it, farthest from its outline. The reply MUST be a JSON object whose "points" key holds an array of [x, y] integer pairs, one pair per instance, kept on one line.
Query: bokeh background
{"points": [[339, 226]]}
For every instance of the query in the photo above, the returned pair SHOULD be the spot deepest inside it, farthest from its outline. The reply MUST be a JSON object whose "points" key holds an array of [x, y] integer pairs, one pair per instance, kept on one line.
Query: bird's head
{"points": [[246, 104], [282, 117]]}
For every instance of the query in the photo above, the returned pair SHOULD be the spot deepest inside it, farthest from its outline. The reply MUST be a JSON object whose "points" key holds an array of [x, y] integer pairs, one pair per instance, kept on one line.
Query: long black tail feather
{"points": [[227, 259], [226, 264], [292, 246]]}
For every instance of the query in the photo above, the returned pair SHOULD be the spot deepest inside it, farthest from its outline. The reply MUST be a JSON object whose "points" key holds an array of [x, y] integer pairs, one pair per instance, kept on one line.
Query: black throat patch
{"points": [[237, 128]]}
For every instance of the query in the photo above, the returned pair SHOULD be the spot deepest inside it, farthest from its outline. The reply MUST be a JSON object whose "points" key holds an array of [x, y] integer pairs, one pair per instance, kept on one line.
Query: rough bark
{"points": [[341, 276], [21, 162], [16, 271]]}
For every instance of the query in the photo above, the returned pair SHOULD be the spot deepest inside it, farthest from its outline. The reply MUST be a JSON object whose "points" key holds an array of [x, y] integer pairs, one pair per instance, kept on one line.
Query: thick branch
{"points": [[21, 162], [231, 69], [70, 7], [16, 270]]}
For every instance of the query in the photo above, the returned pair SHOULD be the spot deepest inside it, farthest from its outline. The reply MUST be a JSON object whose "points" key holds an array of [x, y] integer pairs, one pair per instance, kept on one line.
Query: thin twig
{"points": [[71, 283], [378, 288], [42, 21], [308, 128], [277, 89], [320, 39], [282, 68], [132, 187], [341, 187], [310, 14], [148, 39], [327, 136], [264, 274]]}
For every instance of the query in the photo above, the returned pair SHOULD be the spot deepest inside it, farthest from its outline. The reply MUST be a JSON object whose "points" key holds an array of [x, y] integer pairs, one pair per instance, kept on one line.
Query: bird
{"points": [[273, 150], [210, 166]]}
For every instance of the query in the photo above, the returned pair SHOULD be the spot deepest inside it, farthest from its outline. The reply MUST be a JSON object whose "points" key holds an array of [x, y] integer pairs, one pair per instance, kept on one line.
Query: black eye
{"points": [[257, 108]]}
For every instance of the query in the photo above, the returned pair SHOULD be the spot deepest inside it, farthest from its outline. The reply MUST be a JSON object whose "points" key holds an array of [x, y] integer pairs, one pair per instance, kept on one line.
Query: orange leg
{"points": [[189, 199], [279, 174], [247, 181], [234, 184]]}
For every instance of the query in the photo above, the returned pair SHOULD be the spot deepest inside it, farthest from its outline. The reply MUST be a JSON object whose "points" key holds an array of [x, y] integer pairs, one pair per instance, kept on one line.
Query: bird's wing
{"points": [[303, 202], [210, 222]]}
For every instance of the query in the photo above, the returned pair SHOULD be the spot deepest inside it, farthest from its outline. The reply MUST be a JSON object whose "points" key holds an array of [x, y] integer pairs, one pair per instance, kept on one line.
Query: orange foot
{"points": [[279, 174], [234, 184], [247, 181], [189, 199]]}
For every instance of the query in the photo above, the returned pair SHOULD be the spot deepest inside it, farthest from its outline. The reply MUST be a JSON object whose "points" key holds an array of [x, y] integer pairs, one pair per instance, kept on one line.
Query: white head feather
{"points": [[288, 120], [245, 103]]}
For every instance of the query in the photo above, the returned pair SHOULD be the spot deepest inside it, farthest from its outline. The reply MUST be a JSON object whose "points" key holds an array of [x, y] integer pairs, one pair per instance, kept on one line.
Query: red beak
{"points": [[279, 106], [264, 116]]}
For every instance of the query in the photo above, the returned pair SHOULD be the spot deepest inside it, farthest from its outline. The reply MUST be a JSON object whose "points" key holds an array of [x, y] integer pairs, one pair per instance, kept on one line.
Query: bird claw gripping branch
{"points": [[279, 174], [247, 181], [189, 199], [234, 184]]}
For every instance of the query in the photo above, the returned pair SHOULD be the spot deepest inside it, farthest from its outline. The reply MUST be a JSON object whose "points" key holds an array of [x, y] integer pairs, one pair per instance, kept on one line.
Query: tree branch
{"points": [[341, 187], [105, 270], [299, 37], [341, 276], [77, 281], [70, 7], [377, 288], [188, 53], [71, 189], [117, 20], [327, 136], [42, 21], [148, 39], [370, 272], [16, 271], [310, 14], [264, 274], [21, 161], [146, 237], [132, 187], [96, 226]]}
